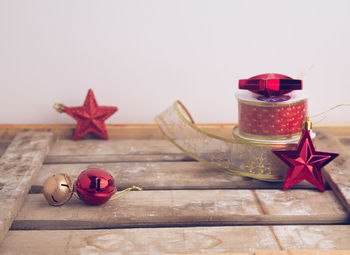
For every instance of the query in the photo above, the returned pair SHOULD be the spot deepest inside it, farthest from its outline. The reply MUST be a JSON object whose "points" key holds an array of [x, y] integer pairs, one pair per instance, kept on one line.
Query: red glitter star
{"points": [[90, 117], [305, 163]]}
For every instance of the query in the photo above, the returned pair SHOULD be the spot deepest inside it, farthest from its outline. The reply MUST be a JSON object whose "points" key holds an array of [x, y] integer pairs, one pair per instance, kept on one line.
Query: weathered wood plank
{"points": [[185, 208], [116, 150], [309, 204], [115, 131], [3, 146], [345, 141], [303, 252], [161, 175], [337, 172], [144, 208], [320, 237], [18, 166], [66, 131], [228, 240], [72, 159], [69, 151]]}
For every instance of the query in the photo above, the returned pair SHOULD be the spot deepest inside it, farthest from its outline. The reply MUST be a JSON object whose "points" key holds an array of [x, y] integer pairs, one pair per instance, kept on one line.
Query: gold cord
{"points": [[123, 192], [305, 71], [56, 130], [71, 188], [327, 111]]}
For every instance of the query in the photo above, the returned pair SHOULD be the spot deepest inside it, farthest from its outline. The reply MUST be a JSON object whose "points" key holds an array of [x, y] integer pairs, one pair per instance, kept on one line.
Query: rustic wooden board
{"points": [[18, 166], [310, 205], [337, 172], [304, 252], [185, 208], [142, 241], [115, 131], [143, 208], [162, 175], [114, 150], [319, 237], [118, 150], [231, 239], [3, 146]]}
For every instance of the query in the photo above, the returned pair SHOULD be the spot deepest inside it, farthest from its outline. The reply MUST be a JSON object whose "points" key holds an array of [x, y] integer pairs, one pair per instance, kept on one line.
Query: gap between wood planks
{"points": [[15, 228]]}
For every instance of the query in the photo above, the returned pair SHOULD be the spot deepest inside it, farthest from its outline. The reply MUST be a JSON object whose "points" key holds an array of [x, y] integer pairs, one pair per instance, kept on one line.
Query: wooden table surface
{"points": [[185, 207]]}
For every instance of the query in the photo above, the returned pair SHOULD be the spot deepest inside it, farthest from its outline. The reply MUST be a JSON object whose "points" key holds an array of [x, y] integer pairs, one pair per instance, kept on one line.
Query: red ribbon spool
{"points": [[270, 113]]}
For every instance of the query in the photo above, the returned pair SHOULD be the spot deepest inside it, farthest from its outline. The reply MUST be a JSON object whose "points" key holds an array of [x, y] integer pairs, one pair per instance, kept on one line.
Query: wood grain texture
{"points": [[18, 166], [318, 237], [115, 131], [3, 146], [113, 150], [184, 208], [337, 172], [311, 205], [162, 175], [118, 150], [303, 252], [194, 240], [259, 240]]}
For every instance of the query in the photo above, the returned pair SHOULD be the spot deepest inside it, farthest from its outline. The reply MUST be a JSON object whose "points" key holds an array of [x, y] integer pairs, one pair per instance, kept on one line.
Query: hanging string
{"points": [[59, 109], [327, 112], [70, 187], [123, 192], [305, 71]]}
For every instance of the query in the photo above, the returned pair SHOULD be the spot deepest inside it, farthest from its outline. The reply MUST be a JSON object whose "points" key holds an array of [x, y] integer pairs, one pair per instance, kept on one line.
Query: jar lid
{"points": [[255, 99], [270, 84]]}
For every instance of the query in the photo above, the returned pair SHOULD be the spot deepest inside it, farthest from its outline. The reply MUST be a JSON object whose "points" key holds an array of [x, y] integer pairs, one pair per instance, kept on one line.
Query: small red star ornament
{"points": [[305, 163], [90, 117]]}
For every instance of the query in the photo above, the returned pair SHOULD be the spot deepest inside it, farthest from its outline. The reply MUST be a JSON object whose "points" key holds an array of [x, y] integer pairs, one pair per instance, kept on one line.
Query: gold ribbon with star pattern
{"points": [[234, 155]]}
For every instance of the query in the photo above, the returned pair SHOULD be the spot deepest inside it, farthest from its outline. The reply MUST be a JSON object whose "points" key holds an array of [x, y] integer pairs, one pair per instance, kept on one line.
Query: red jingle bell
{"points": [[95, 186]]}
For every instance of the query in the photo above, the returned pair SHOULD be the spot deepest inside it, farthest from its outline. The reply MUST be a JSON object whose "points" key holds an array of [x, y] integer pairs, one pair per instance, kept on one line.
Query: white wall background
{"points": [[143, 55]]}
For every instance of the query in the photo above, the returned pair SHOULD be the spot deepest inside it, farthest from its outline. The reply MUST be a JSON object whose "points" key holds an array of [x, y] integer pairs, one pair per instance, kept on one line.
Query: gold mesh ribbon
{"points": [[234, 155]]}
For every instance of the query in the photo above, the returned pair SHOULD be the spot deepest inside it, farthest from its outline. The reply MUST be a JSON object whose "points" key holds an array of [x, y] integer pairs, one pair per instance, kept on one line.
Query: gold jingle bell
{"points": [[58, 189]]}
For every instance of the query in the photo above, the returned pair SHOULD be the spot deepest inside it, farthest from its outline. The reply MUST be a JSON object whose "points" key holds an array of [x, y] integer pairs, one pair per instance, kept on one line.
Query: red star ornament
{"points": [[90, 117], [305, 163]]}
